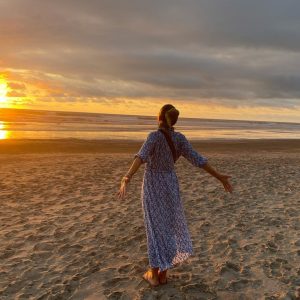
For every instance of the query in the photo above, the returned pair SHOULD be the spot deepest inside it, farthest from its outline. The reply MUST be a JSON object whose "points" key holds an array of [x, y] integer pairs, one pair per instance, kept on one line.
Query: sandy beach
{"points": [[64, 234]]}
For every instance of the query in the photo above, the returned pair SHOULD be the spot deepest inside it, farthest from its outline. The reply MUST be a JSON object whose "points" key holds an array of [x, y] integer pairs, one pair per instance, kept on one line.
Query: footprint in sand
{"points": [[202, 290], [278, 268], [227, 271], [125, 268], [242, 284]]}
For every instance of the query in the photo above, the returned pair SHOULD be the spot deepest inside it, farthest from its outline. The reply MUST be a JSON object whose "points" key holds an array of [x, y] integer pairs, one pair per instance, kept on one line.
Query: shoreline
{"points": [[23, 146]]}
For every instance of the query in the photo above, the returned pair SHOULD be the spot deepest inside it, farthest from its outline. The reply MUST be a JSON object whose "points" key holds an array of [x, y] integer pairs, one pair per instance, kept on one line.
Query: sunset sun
{"points": [[3, 90]]}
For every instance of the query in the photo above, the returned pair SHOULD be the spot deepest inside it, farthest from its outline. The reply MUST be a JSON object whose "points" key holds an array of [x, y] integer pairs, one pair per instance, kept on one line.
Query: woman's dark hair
{"points": [[168, 116]]}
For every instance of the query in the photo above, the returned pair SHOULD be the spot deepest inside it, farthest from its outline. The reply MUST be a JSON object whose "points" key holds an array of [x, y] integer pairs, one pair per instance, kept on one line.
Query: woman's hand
{"points": [[224, 179], [126, 179], [122, 190]]}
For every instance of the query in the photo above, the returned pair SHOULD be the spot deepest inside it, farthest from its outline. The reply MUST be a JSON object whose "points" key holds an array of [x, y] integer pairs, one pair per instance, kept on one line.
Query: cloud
{"points": [[232, 52]]}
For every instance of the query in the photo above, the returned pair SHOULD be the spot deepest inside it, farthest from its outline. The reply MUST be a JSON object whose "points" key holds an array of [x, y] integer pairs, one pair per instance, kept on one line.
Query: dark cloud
{"points": [[236, 52]]}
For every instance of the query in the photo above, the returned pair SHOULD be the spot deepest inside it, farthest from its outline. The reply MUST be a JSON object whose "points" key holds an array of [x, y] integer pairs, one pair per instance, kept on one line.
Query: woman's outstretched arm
{"points": [[140, 157], [126, 179], [134, 167], [222, 177], [201, 161]]}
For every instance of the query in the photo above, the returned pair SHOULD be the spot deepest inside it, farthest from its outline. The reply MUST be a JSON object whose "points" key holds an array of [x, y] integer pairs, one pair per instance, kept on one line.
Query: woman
{"points": [[168, 239]]}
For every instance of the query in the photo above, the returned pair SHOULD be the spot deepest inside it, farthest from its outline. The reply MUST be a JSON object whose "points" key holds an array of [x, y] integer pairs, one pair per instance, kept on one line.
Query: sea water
{"points": [[33, 124]]}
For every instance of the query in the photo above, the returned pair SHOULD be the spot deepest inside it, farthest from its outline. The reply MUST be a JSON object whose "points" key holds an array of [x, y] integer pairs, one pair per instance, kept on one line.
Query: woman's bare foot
{"points": [[151, 278], [162, 277]]}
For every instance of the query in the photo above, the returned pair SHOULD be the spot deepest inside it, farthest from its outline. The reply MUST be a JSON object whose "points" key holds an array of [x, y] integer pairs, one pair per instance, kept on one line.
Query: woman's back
{"points": [[156, 152]]}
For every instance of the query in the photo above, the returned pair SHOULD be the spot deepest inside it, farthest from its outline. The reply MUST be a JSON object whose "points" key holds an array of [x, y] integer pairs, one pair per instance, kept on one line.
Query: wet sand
{"points": [[20, 146], [64, 234]]}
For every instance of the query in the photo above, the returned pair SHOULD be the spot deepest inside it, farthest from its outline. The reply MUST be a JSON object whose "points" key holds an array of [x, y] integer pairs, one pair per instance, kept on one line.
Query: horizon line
{"points": [[150, 116]]}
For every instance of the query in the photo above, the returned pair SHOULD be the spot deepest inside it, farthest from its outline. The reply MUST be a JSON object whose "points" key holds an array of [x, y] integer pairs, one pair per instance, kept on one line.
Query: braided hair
{"points": [[168, 116]]}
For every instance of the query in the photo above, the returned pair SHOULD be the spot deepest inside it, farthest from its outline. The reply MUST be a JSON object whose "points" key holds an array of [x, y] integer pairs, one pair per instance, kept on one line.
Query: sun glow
{"points": [[4, 134], [3, 90]]}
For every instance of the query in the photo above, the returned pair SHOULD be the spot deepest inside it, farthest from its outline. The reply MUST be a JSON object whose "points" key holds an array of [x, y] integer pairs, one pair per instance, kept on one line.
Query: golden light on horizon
{"points": [[3, 90], [4, 134]]}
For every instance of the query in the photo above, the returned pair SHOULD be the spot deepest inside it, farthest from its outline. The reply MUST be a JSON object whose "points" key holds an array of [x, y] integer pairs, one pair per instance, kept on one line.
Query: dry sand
{"points": [[64, 234]]}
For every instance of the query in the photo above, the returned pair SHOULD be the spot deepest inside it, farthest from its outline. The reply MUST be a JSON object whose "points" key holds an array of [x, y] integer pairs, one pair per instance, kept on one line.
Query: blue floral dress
{"points": [[168, 238]]}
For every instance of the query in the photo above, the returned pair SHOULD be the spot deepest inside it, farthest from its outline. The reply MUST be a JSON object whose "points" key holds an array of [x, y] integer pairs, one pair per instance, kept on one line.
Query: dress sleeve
{"points": [[190, 154], [147, 148]]}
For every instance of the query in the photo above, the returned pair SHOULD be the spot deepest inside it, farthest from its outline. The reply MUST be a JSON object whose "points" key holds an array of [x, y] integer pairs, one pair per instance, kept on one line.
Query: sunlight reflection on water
{"points": [[4, 134]]}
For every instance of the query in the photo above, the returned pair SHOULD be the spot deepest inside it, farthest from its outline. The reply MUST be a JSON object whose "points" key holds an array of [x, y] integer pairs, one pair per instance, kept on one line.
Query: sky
{"points": [[230, 59]]}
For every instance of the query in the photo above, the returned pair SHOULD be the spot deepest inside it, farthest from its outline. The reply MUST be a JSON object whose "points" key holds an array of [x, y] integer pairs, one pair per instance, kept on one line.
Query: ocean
{"points": [[37, 124]]}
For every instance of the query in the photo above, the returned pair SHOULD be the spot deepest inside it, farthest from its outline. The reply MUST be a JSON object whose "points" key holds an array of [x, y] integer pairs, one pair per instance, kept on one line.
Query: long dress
{"points": [[168, 238]]}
